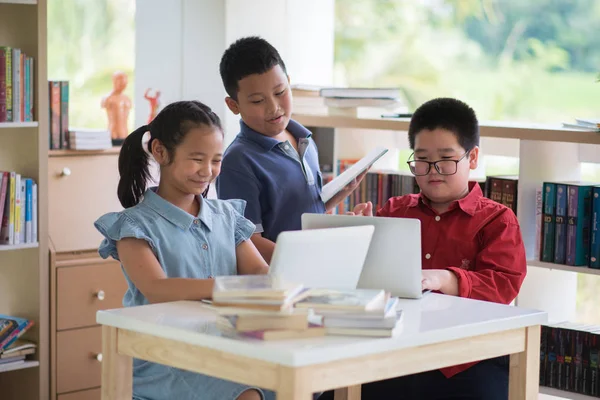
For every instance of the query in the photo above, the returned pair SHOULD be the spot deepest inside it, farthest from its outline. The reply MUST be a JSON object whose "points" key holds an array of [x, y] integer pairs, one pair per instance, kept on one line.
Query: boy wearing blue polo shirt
{"points": [[273, 162]]}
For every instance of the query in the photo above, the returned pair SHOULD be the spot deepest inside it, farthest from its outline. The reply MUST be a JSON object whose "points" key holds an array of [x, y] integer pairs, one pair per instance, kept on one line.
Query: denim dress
{"points": [[186, 247]]}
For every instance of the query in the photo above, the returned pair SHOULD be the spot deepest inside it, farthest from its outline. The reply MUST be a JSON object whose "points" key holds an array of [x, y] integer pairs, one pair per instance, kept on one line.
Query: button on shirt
{"points": [[477, 239], [277, 182]]}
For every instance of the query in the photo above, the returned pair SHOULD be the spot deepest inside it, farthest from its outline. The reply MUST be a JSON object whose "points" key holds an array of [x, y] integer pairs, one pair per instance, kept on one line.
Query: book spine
{"points": [[28, 205], [4, 230], [543, 354], [22, 210], [3, 188], [560, 230], [585, 364], [560, 360], [64, 114], [552, 355], [595, 229], [55, 133], [537, 252], [3, 82], [584, 222], [16, 53], [13, 207], [594, 348], [549, 222], [9, 83], [30, 110], [578, 362], [572, 206], [569, 354], [34, 212]]}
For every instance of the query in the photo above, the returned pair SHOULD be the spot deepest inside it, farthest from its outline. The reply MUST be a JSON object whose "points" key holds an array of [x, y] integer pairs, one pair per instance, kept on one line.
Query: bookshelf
{"points": [[564, 395], [340, 137], [24, 284]]}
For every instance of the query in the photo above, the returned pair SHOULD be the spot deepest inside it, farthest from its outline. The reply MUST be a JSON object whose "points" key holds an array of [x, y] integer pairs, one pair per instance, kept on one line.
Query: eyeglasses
{"points": [[443, 167]]}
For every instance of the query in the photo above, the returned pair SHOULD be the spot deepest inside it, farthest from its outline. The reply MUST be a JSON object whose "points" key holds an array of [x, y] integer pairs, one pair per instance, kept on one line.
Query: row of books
{"points": [[13, 349], [264, 308], [17, 82], [569, 358], [58, 126], [18, 209], [568, 223]]}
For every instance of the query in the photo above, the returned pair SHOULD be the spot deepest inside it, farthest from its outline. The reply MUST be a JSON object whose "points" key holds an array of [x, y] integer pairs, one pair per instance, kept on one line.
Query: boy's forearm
{"points": [[265, 246], [450, 284]]}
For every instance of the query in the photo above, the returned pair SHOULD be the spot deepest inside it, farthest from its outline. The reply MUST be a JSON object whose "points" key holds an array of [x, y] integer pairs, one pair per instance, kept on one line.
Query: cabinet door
{"points": [[80, 189], [79, 359], [83, 290]]}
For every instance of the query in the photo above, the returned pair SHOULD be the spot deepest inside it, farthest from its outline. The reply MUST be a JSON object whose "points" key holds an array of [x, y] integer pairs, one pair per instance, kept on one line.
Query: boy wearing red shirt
{"points": [[471, 246]]}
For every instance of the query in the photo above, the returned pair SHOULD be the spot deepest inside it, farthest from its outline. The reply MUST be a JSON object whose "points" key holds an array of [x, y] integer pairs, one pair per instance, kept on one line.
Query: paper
{"points": [[341, 181]]}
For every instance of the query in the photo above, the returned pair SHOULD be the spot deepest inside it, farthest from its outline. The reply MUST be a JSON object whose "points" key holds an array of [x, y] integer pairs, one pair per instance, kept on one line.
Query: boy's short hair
{"points": [[446, 113], [247, 56]]}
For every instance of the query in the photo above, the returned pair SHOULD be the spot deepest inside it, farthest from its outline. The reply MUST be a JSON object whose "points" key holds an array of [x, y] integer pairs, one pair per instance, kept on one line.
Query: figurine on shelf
{"points": [[117, 105], [154, 104]]}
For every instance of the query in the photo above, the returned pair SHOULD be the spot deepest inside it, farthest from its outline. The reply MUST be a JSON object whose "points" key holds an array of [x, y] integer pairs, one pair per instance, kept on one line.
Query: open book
{"points": [[341, 181]]}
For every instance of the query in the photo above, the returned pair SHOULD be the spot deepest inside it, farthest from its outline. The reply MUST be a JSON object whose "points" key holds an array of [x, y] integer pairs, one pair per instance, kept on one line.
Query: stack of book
{"points": [[89, 139], [13, 350], [357, 312], [261, 307]]}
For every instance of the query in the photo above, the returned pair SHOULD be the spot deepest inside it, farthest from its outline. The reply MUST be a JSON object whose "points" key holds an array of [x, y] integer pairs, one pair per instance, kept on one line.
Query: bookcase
{"points": [[23, 149], [546, 154]]}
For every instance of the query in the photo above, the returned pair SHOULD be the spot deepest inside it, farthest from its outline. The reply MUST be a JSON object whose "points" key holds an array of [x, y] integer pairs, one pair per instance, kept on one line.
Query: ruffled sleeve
{"points": [[244, 228], [116, 226]]}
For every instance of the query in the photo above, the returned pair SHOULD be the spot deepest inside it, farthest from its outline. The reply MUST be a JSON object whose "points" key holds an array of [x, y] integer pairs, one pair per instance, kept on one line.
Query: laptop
{"points": [[394, 259], [322, 258]]}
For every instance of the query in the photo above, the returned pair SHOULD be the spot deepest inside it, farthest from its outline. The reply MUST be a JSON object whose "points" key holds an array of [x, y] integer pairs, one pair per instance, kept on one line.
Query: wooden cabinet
{"points": [[82, 187]]}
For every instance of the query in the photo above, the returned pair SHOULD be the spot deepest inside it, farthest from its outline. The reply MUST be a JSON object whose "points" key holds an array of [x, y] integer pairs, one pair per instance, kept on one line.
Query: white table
{"points": [[438, 331]]}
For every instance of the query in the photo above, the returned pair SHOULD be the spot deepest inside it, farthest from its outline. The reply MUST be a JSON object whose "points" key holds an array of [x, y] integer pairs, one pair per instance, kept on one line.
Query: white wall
{"points": [[179, 44]]}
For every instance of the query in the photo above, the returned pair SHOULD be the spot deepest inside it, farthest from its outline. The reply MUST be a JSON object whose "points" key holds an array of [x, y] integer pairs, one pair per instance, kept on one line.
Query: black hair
{"points": [[169, 127], [446, 113], [247, 56]]}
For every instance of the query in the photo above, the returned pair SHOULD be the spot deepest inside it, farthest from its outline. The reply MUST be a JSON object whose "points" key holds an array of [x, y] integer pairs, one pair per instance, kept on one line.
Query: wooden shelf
{"points": [[562, 267], [13, 125], [29, 2], [8, 247], [63, 153], [564, 394], [550, 133], [15, 367]]}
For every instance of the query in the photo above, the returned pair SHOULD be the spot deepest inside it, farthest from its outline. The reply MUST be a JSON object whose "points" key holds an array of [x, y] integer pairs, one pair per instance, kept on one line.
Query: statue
{"points": [[154, 104], [117, 106]]}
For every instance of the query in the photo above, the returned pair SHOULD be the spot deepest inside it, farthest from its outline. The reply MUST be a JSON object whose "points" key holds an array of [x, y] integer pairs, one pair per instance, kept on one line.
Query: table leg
{"points": [[347, 393], [293, 385], [117, 370], [524, 376]]}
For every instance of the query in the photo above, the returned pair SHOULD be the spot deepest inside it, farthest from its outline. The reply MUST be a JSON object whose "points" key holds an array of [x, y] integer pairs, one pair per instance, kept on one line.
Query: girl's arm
{"points": [[249, 260], [264, 246], [145, 272]]}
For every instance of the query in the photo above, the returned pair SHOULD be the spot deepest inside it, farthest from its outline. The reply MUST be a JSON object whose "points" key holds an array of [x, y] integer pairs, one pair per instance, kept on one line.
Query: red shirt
{"points": [[477, 239]]}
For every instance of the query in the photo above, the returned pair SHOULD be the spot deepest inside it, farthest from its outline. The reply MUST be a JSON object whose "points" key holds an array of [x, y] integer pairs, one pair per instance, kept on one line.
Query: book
{"points": [[226, 326], [341, 181], [249, 323], [370, 332], [595, 228], [254, 286], [344, 300]]}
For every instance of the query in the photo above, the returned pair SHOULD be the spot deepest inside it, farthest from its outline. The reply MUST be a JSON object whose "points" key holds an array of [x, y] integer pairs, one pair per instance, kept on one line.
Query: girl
{"points": [[171, 240]]}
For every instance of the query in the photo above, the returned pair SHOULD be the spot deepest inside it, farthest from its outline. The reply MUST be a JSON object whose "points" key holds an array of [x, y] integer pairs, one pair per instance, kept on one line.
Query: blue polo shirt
{"points": [[278, 183]]}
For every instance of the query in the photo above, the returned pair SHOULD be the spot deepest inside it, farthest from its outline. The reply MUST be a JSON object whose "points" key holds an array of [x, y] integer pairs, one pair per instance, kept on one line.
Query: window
{"points": [[526, 60], [88, 40]]}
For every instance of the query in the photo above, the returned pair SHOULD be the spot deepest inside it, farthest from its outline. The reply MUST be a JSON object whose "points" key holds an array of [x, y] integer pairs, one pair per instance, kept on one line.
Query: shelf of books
{"points": [[24, 275], [565, 395]]}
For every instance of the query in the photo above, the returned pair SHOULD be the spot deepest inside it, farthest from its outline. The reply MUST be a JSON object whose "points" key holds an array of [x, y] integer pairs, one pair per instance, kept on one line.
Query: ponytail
{"points": [[133, 168]]}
